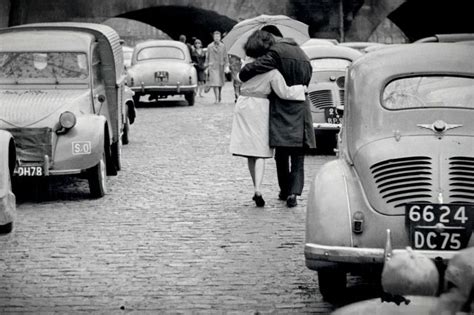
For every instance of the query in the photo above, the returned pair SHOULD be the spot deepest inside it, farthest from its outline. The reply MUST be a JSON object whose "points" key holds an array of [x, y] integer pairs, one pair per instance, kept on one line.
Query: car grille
{"points": [[32, 144], [341, 97], [321, 99], [404, 180], [461, 179]]}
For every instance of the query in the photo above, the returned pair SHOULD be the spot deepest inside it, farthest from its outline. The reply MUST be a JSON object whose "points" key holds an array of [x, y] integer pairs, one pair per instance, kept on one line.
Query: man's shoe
{"points": [[282, 196], [259, 202], [291, 201]]}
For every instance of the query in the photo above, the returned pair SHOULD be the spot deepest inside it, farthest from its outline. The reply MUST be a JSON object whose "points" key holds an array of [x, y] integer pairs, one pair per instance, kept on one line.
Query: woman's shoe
{"points": [[259, 202]]}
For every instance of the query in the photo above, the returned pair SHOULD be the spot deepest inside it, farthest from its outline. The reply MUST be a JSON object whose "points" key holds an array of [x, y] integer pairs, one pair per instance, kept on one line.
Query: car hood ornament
{"points": [[439, 126]]}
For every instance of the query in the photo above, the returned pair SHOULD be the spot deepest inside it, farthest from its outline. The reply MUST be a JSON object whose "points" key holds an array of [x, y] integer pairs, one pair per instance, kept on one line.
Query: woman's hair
{"points": [[272, 29], [258, 43]]}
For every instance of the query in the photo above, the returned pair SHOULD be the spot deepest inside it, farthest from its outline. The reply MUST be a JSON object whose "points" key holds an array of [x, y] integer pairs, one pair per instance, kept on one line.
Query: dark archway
{"points": [[177, 20], [422, 18]]}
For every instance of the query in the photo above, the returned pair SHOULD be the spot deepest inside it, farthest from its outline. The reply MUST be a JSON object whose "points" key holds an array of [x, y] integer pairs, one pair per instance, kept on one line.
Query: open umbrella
{"points": [[239, 34]]}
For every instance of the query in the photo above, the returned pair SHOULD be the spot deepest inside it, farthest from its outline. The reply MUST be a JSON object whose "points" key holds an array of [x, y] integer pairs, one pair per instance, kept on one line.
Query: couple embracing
{"points": [[272, 116]]}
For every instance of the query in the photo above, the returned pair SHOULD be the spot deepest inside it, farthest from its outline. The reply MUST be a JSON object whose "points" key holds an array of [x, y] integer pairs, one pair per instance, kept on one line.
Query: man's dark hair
{"points": [[258, 43], [272, 29]]}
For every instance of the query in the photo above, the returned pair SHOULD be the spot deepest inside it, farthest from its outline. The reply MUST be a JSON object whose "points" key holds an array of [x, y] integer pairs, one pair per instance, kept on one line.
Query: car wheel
{"points": [[332, 283], [97, 179], [190, 97], [6, 228], [117, 154], [326, 143]]}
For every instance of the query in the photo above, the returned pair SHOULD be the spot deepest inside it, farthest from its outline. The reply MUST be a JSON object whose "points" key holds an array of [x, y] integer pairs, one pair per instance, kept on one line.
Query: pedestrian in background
{"points": [[291, 124], [250, 126], [198, 57], [235, 64], [216, 63], [182, 38]]}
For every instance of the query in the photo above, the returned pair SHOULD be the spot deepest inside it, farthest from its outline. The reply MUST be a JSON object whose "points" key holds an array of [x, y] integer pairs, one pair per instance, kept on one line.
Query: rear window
{"points": [[429, 91], [330, 64], [161, 52]]}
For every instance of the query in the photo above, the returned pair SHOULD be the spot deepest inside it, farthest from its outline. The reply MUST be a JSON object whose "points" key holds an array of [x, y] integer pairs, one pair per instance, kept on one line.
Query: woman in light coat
{"points": [[216, 63], [250, 126]]}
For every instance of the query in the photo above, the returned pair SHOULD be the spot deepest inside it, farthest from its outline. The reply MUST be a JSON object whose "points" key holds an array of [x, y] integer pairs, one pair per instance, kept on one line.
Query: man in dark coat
{"points": [[291, 125]]}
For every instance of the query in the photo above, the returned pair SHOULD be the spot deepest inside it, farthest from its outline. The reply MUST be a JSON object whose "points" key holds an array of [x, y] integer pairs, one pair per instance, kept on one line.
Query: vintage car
{"points": [[63, 98], [7, 166], [161, 68], [406, 164], [326, 90]]}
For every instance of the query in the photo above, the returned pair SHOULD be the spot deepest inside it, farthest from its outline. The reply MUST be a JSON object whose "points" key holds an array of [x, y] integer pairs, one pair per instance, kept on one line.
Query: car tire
{"points": [[6, 228], [190, 98], [117, 154], [326, 143], [97, 176], [332, 283]]}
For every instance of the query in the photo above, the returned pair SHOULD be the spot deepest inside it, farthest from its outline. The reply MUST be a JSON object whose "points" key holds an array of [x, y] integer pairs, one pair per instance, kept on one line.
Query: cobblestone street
{"points": [[177, 231]]}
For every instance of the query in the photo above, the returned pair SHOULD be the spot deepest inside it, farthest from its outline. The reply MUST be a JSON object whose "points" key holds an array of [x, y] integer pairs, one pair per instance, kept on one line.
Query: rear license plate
{"points": [[161, 76], [440, 226], [29, 171], [332, 116]]}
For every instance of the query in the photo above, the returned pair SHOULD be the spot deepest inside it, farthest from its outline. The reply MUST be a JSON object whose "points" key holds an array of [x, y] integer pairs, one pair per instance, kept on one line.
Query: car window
{"points": [[330, 64], [429, 91], [43, 65], [160, 52]]}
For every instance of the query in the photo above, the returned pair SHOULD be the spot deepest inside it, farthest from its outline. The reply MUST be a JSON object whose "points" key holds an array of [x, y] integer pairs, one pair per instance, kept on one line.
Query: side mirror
{"points": [[101, 98]]}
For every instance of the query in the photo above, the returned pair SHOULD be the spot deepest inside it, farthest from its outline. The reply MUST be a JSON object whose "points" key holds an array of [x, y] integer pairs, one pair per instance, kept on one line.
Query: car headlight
{"points": [[67, 120], [340, 82]]}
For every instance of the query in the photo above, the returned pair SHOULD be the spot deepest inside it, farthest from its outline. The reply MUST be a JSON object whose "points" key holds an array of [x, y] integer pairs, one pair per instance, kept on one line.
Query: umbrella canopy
{"points": [[239, 34]]}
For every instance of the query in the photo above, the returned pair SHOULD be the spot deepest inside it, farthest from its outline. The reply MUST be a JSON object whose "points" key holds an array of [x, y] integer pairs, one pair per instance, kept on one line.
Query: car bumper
{"points": [[326, 126], [323, 256], [170, 89]]}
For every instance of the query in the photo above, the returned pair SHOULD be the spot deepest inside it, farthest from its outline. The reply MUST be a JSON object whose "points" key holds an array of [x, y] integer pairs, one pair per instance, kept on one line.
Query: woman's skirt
{"points": [[250, 128]]}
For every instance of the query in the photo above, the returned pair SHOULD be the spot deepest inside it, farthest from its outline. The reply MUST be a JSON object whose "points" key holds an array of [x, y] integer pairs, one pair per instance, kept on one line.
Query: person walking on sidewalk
{"points": [[291, 125], [250, 126], [216, 63], [198, 56]]}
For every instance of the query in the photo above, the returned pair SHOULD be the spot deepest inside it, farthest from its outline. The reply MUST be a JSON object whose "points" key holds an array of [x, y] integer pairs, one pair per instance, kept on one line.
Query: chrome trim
{"points": [[65, 172], [345, 254], [163, 87], [326, 126], [349, 210]]}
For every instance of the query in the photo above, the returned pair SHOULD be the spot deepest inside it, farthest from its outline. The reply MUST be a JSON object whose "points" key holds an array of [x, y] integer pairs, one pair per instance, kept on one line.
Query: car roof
{"points": [[161, 42], [413, 58], [319, 41], [447, 38], [316, 52], [45, 40], [360, 45]]}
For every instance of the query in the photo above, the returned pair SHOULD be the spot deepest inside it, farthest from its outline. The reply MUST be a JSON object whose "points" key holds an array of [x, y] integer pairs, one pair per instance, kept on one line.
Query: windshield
{"points": [[330, 64], [161, 52], [429, 91], [24, 66]]}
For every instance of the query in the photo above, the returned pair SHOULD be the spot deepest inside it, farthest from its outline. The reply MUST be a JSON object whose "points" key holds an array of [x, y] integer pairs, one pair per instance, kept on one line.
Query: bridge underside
{"points": [[175, 20]]}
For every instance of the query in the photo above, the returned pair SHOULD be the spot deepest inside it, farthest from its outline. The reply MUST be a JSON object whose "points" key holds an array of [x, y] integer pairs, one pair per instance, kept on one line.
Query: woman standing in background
{"points": [[199, 59], [216, 62]]}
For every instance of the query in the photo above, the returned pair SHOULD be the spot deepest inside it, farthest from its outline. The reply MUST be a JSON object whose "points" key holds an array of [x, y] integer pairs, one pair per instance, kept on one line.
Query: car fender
{"points": [[82, 146], [7, 165], [328, 215]]}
